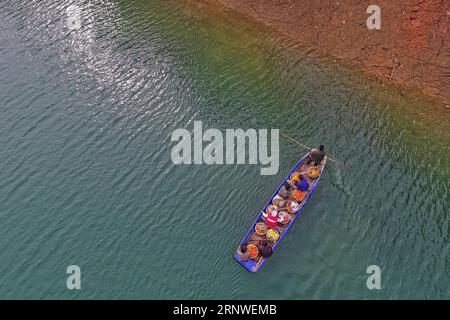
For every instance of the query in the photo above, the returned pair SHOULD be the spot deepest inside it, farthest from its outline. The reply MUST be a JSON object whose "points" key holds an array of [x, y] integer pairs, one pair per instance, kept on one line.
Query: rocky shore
{"points": [[411, 49]]}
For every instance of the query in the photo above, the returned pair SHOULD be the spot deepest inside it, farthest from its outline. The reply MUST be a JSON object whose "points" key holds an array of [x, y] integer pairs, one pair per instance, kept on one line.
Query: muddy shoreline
{"points": [[411, 50]]}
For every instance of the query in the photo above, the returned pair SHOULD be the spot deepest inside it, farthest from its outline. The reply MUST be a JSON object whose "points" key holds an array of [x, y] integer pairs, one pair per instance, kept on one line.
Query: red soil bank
{"points": [[415, 33]]}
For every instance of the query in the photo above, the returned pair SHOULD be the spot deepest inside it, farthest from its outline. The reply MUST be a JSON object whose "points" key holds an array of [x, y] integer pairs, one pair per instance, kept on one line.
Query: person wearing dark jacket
{"points": [[265, 249]]}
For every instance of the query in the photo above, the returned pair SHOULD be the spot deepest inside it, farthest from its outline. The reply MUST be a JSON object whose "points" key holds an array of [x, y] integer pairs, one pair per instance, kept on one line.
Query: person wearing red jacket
{"points": [[272, 218]]}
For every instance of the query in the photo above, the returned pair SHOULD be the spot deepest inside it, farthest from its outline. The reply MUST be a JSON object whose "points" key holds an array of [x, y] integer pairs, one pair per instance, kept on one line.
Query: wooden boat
{"points": [[254, 238]]}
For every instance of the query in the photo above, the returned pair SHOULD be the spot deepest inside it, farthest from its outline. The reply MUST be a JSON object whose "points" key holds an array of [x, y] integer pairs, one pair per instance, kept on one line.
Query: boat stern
{"points": [[250, 264]]}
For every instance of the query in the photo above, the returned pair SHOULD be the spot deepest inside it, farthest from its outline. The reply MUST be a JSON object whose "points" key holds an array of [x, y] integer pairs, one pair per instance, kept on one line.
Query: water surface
{"points": [[86, 176]]}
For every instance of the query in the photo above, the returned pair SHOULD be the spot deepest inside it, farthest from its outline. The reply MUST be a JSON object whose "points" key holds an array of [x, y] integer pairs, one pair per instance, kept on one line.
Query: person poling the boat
{"points": [[316, 155], [272, 218]]}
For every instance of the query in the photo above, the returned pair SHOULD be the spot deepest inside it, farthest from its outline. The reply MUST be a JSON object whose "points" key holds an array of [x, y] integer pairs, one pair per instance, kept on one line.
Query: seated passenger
{"points": [[272, 219], [302, 184], [286, 189], [265, 249], [242, 252]]}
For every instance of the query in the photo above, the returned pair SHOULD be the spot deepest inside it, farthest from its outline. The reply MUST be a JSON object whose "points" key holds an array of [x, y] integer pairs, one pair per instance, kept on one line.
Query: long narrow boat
{"points": [[252, 237]]}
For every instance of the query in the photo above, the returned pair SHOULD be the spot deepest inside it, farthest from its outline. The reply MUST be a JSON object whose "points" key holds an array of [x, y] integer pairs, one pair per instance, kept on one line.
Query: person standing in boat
{"points": [[316, 155]]}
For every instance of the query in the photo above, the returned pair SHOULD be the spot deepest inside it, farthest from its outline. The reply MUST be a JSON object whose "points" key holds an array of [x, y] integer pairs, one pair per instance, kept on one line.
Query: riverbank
{"points": [[411, 50]]}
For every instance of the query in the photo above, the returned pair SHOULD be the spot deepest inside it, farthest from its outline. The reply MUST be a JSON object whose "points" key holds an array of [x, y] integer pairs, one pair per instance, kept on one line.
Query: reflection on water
{"points": [[86, 176]]}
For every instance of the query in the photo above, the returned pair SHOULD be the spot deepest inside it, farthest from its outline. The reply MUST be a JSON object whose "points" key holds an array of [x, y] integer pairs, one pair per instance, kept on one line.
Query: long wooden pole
{"points": [[306, 147], [257, 265]]}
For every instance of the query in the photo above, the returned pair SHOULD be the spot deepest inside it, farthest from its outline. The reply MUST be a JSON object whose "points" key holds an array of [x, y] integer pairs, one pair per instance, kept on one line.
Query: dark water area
{"points": [[86, 175]]}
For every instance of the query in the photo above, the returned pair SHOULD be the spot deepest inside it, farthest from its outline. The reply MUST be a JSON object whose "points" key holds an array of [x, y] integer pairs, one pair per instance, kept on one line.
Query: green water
{"points": [[86, 176]]}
